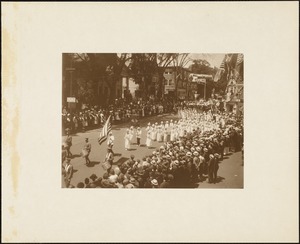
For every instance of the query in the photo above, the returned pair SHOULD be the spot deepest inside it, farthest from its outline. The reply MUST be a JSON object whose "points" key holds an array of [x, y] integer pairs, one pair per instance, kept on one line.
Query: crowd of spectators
{"points": [[94, 116], [184, 163]]}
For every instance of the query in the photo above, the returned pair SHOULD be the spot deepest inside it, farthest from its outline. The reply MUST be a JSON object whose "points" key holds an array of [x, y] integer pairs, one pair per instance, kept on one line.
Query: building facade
{"points": [[175, 80], [234, 101]]}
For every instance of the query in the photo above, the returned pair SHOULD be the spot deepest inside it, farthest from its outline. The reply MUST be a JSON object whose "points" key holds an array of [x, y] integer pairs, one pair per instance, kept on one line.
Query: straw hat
{"points": [[154, 182]]}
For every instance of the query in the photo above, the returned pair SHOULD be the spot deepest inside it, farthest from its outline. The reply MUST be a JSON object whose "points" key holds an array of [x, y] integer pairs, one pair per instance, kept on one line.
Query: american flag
{"points": [[218, 75], [105, 130], [222, 66], [240, 59]]}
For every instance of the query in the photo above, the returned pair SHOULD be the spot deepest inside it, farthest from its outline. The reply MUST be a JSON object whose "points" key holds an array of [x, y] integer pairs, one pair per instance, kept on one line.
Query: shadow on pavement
{"points": [[76, 156], [120, 161], [92, 164], [219, 179]]}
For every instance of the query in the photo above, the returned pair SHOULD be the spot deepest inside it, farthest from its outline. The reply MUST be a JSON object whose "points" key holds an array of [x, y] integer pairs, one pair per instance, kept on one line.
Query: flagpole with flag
{"points": [[105, 130]]}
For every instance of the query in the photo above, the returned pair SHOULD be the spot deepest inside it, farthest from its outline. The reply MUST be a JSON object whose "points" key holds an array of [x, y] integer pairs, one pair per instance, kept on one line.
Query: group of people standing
{"points": [[129, 137], [191, 151], [93, 117]]}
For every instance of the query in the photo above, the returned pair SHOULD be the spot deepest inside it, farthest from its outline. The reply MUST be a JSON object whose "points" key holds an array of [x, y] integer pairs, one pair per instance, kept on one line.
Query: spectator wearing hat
{"points": [[203, 167], [226, 144], [134, 182], [113, 177], [166, 182], [105, 183], [206, 154], [196, 162], [221, 148], [87, 182], [119, 182], [216, 167], [211, 168], [95, 180], [154, 183], [80, 185]]}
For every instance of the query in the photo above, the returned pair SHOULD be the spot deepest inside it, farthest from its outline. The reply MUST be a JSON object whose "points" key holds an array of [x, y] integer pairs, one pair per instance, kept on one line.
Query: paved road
{"points": [[230, 172]]}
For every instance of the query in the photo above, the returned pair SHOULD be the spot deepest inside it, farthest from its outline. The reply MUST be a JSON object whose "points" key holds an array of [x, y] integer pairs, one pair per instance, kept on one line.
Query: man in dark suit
{"points": [[211, 168], [216, 167]]}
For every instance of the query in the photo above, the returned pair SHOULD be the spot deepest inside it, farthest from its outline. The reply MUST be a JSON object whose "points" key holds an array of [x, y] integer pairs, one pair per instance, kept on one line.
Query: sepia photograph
{"points": [[152, 120], [191, 106]]}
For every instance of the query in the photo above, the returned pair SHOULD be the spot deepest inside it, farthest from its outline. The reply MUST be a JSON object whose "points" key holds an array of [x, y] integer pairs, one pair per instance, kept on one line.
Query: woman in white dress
{"points": [[159, 134], [148, 127], [127, 139], [131, 132], [165, 135], [156, 130], [167, 124], [181, 131], [153, 133], [172, 134], [148, 140]]}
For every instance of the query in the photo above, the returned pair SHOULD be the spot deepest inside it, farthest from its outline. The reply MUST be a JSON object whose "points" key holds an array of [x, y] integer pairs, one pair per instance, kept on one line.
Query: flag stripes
{"points": [[222, 66], [105, 130], [240, 59]]}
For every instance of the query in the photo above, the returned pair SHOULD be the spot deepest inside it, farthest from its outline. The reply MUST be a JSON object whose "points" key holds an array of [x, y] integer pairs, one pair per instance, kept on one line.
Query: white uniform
{"points": [[148, 140], [127, 141]]}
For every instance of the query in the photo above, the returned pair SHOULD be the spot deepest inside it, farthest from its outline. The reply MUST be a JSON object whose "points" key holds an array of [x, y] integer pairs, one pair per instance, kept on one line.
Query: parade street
{"points": [[230, 174]]}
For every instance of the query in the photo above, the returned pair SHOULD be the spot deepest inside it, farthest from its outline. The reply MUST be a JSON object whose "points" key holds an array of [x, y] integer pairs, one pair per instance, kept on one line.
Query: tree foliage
{"points": [[108, 68]]}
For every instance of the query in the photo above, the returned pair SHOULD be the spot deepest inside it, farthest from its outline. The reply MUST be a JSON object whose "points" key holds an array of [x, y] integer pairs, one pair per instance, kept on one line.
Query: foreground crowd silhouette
{"points": [[193, 156]]}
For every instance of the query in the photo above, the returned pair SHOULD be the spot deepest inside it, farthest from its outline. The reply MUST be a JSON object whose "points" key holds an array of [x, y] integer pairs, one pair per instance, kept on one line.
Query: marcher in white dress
{"points": [[131, 132], [148, 127], [127, 140], [172, 136], [158, 136], [153, 133], [165, 135], [148, 140]]}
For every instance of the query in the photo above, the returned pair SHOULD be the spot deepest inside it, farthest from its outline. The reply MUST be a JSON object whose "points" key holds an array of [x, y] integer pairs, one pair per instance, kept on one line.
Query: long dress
{"points": [[131, 133], [159, 135], [148, 140], [153, 134], [127, 141], [165, 135], [172, 136]]}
